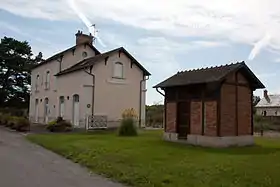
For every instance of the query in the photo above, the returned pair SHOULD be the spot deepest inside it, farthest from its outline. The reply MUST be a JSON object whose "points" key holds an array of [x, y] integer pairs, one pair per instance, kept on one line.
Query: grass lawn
{"points": [[147, 161]]}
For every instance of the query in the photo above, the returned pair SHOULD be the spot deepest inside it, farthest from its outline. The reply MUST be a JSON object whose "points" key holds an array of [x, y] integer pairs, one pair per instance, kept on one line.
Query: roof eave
{"points": [[55, 56], [146, 72]]}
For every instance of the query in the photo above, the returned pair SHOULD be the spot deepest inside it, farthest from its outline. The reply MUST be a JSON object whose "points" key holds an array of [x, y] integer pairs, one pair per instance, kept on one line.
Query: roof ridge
{"points": [[210, 67]]}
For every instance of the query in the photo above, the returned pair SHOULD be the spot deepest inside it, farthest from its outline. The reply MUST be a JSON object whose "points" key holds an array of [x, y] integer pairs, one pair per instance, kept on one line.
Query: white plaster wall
{"points": [[269, 111], [59, 86], [113, 96]]}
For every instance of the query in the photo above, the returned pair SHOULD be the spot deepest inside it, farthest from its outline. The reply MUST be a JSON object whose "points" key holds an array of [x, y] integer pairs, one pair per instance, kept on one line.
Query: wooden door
{"points": [[183, 119]]}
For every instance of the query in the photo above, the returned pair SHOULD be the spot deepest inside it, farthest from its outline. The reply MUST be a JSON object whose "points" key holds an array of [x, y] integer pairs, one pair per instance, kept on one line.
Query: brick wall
{"points": [[171, 115], [228, 108], [196, 117], [244, 110], [210, 128], [227, 126]]}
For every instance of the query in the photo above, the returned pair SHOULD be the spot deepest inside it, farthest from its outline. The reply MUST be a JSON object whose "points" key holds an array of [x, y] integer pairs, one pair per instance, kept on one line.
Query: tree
{"points": [[16, 61], [154, 114]]}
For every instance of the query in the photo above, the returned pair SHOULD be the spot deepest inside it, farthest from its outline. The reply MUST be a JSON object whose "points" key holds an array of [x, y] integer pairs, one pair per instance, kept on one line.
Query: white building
{"points": [[269, 105], [81, 81]]}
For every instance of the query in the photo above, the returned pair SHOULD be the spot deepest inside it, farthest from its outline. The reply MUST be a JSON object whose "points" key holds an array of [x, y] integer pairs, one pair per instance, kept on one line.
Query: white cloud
{"points": [[236, 20], [277, 60], [246, 22]]}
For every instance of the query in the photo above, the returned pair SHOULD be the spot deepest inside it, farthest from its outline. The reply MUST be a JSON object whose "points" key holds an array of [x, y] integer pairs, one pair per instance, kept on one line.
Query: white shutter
{"points": [[118, 70]]}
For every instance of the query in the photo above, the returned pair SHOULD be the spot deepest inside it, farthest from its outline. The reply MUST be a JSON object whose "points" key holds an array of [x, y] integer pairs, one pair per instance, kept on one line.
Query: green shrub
{"points": [[12, 122], [52, 122], [59, 119], [65, 125], [258, 118], [261, 126], [59, 125], [5, 119], [127, 127], [1, 119], [22, 124]]}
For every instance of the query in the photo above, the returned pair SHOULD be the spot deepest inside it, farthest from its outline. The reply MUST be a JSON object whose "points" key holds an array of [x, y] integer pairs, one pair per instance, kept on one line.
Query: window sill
{"points": [[121, 78], [117, 81]]}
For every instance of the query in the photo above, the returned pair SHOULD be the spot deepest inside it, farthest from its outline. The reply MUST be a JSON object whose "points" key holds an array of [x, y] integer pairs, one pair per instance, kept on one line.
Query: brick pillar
{"points": [[171, 117], [196, 117]]}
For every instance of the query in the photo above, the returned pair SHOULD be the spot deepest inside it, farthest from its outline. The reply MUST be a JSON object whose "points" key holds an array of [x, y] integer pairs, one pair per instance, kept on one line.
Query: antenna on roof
{"points": [[94, 32], [95, 36], [86, 21]]}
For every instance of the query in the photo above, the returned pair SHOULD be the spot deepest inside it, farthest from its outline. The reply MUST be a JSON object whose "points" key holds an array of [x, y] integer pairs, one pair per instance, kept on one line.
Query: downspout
{"points": [[141, 91], [164, 122], [93, 85]]}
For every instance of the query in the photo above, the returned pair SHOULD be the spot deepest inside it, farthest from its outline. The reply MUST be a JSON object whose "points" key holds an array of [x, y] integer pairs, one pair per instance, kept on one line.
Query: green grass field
{"points": [[147, 161]]}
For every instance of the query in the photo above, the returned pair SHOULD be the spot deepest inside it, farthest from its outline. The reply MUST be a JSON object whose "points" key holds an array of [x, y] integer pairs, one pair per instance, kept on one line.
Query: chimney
{"points": [[83, 38], [265, 95]]}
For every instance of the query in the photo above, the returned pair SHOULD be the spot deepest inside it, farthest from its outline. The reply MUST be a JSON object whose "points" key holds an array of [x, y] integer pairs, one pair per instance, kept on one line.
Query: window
{"points": [[47, 83], [37, 83], [264, 113], [84, 54], [118, 70], [61, 106]]}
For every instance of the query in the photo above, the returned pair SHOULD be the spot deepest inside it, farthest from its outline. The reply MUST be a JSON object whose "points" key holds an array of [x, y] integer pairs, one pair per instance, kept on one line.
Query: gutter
{"points": [[141, 91], [160, 92], [93, 85]]}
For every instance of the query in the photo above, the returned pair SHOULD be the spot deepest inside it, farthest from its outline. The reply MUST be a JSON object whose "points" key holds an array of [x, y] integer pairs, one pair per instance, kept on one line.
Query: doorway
{"points": [[76, 110], [183, 119], [36, 110], [46, 110]]}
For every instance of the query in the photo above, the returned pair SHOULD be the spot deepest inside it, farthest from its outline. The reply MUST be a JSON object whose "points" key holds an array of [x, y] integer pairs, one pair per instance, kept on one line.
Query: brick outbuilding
{"points": [[210, 106]]}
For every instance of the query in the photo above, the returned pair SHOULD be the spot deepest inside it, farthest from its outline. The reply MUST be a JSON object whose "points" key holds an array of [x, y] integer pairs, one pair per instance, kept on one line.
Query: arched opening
{"points": [[46, 111], [76, 109], [37, 82], [47, 83], [118, 70]]}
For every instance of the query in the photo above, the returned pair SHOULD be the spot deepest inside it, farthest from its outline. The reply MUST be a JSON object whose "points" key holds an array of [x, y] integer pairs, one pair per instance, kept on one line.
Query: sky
{"points": [[164, 36]]}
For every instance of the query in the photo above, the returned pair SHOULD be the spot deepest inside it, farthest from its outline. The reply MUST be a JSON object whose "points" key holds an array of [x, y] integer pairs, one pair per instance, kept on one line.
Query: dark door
{"points": [[183, 119]]}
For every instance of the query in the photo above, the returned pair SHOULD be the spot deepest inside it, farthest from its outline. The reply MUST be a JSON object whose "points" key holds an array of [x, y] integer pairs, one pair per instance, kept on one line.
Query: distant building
{"points": [[269, 105]]}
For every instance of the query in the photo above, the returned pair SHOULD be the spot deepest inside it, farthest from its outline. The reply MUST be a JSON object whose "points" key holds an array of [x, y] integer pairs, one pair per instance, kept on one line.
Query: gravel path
{"points": [[23, 164]]}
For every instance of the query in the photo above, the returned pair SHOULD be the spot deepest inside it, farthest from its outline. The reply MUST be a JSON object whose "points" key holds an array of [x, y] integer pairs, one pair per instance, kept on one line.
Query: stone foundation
{"points": [[211, 141]]}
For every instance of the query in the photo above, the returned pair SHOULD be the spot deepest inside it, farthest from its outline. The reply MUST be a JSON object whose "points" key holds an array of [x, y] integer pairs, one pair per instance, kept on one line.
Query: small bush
{"points": [[51, 124], [59, 125], [12, 122], [59, 119], [4, 119], [1, 119], [22, 124], [65, 125], [128, 127]]}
